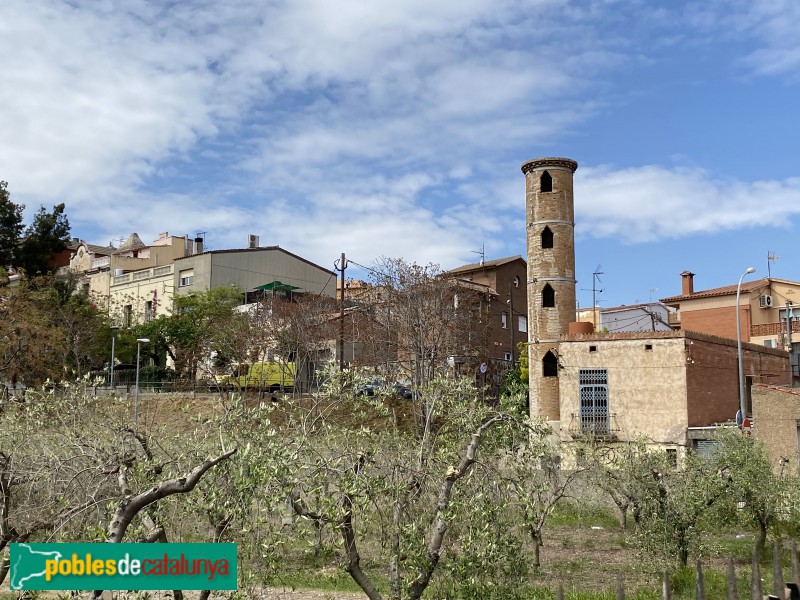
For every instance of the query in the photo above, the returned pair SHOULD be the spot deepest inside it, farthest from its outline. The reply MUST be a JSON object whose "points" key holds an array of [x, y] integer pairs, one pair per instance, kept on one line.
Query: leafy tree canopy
{"points": [[46, 236], [10, 226]]}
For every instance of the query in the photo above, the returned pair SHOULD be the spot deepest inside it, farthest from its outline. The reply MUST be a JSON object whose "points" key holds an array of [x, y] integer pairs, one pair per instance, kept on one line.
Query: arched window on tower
{"points": [[546, 182], [547, 238], [548, 296], [550, 365]]}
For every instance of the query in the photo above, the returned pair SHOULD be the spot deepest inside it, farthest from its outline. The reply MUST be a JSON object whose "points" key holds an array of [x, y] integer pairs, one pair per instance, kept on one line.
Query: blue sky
{"points": [[397, 128]]}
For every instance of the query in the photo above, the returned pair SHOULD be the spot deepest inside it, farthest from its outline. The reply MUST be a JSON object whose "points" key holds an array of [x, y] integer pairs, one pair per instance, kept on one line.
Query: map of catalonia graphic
{"points": [[28, 564]]}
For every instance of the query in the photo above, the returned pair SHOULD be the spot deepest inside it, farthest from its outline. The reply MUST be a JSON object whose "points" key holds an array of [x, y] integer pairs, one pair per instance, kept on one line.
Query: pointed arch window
{"points": [[548, 296], [550, 365], [546, 182], [547, 238]]}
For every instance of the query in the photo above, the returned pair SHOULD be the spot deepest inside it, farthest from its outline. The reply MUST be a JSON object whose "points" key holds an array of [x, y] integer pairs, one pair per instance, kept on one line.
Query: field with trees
{"points": [[456, 498], [452, 493]]}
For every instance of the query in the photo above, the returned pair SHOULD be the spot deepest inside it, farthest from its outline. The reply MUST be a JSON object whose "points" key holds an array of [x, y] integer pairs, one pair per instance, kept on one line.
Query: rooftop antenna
{"points": [[481, 253], [652, 291], [595, 291], [771, 258]]}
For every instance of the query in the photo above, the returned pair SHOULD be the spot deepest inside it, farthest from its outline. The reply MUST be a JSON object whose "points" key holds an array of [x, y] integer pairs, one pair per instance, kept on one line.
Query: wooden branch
{"points": [[129, 506], [439, 525], [349, 537]]}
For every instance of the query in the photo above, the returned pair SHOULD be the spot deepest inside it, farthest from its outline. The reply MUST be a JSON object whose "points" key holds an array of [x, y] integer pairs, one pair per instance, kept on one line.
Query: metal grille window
{"points": [[594, 416]]}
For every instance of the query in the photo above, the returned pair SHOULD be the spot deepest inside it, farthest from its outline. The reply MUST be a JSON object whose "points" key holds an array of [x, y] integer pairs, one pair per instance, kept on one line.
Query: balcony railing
{"points": [[772, 328], [143, 274], [101, 262], [591, 426]]}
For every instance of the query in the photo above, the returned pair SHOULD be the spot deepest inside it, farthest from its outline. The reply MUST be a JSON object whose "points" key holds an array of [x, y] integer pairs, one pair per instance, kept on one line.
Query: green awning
{"points": [[277, 286]]}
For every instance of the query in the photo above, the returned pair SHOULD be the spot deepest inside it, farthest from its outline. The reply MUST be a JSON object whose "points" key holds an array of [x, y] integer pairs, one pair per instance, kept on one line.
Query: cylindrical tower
{"points": [[551, 274]]}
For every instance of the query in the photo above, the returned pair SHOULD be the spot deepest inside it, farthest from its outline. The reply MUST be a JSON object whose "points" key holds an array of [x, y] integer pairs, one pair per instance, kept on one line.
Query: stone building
{"points": [[776, 421], [670, 386]]}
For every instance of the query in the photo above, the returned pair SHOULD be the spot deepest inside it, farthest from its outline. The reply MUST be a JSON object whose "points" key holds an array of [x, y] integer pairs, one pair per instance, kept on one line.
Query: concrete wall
{"points": [[776, 421], [249, 269]]}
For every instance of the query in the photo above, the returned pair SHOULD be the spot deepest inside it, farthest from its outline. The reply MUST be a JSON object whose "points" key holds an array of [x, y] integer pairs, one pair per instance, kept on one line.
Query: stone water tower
{"points": [[551, 274]]}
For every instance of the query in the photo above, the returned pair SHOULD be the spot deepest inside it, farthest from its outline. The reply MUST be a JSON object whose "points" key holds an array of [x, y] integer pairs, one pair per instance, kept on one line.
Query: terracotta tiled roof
{"points": [[93, 248], [486, 264], [726, 290]]}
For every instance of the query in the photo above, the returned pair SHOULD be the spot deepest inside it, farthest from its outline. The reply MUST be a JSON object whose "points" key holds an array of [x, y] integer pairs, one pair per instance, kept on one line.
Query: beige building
{"points": [[776, 421], [108, 273], [665, 385], [136, 282]]}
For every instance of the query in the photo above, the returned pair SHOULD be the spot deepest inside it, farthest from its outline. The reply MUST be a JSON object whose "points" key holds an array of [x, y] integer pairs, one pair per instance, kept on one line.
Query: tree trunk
{"points": [[683, 548], [761, 539], [536, 538]]}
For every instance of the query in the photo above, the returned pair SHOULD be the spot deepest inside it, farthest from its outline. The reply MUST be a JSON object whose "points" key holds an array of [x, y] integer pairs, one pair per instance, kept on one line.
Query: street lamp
{"points": [[139, 343], [113, 340], [739, 344]]}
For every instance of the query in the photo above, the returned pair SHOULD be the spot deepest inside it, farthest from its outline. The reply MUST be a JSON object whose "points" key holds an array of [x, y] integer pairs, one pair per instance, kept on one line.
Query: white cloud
{"points": [[771, 25], [653, 202], [383, 127]]}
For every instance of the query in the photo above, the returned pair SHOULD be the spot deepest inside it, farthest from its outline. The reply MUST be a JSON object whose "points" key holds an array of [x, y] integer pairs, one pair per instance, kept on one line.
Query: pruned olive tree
{"points": [[404, 498], [70, 461], [757, 496]]}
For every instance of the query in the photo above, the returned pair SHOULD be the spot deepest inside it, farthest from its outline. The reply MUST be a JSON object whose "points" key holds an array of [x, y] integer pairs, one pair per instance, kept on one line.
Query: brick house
{"points": [[665, 385], [762, 306], [504, 282]]}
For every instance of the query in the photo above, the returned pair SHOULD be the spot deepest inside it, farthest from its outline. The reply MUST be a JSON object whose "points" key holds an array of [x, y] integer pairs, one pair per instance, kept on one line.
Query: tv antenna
{"points": [[595, 280], [481, 253], [652, 291], [771, 258]]}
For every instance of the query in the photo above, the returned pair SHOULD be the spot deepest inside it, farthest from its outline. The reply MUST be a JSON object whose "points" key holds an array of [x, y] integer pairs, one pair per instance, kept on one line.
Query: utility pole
{"points": [[341, 268]]}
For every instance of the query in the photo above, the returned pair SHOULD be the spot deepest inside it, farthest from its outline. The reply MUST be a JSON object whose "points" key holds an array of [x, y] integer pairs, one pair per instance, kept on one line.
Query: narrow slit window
{"points": [[547, 238], [546, 182], [550, 365], [548, 296]]}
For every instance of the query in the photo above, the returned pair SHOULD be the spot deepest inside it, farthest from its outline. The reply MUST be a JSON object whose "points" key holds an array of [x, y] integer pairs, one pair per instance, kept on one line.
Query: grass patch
{"points": [[574, 514]]}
